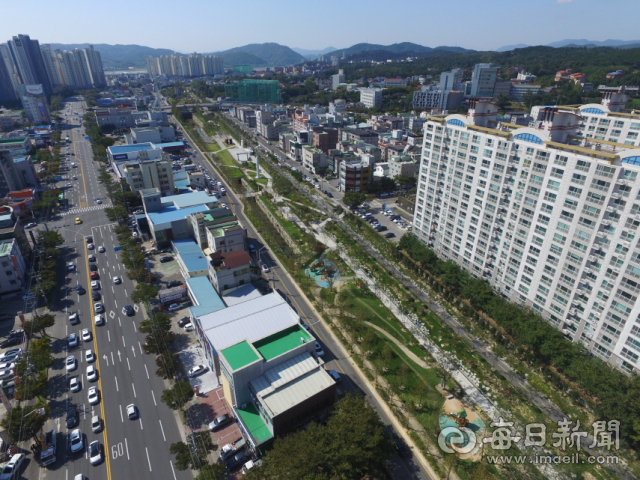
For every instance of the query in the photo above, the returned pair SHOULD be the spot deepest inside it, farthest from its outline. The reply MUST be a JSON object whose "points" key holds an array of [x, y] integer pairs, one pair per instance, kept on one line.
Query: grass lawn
{"points": [[212, 147], [260, 180], [226, 158]]}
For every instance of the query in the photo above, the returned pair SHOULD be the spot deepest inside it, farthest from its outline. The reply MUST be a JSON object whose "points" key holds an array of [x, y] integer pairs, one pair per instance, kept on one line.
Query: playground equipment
{"points": [[460, 418]]}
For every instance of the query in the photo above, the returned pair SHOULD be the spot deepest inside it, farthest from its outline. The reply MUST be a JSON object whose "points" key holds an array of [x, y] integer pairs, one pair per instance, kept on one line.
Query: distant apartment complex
{"points": [[546, 217], [179, 65]]}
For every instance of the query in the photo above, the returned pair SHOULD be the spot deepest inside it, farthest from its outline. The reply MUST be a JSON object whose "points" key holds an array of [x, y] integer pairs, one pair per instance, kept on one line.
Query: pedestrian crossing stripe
{"points": [[87, 209]]}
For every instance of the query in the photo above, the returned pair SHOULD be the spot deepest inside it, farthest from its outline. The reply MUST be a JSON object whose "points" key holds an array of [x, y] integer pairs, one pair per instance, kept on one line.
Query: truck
{"points": [[251, 464], [231, 449], [189, 167], [48, 453]]}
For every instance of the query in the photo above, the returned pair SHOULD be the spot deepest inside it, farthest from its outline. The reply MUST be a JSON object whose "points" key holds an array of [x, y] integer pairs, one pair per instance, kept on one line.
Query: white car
{"points": [[71, 363], [73, 341], [101, 249], [188, 327], [95, 285], [73, 318], [93, 395], [89, 356], [95, 453], [197, 370], [71, 267], [76, 440], [117, 280], [92, 258], [99, 308], [74, 384], [86, 335], [319, 350], [7, 366], [99, 319], [92, 373], [132, 411], [90, 246], [98, 201], [265, 268]]}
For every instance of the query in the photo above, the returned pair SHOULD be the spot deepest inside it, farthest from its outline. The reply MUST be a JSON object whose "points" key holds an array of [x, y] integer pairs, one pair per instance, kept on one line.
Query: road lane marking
{"points": [[125, 293], [174, 472], [128, 363], [121, 417], [117, 389], [140, 347], [109, 336], [123, 344], [165, 438], [116, 303], [503, 369], [134, 390], [113, 362], [126, 445], [146, 370], [135, 328], [148, 459], [154, 398]]}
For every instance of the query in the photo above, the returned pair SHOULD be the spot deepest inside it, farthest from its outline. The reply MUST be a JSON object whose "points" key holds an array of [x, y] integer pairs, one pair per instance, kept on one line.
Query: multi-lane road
{"points": [[131, 448]]}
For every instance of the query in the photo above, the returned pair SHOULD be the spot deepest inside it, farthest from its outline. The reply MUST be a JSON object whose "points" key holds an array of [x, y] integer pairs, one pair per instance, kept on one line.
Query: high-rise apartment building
{"points": [[34, 102], [194, 65], [607, 121], [548, 219], [27, 58], [483, 80]]}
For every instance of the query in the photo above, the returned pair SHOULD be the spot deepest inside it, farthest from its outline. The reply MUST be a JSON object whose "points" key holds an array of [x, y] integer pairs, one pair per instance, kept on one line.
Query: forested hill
{"points": [[541, 61]]}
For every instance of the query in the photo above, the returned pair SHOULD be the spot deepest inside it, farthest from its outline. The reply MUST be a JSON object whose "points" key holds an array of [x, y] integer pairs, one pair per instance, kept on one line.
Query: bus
{"points": [[67, 141], [62, 202]]}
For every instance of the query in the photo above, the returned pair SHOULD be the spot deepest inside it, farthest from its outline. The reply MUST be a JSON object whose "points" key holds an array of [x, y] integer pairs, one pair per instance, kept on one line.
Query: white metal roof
{"points": [[250, 320], [290, 383]]}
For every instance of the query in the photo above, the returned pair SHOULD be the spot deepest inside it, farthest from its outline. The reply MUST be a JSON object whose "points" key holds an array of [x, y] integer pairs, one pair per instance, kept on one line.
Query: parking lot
{"points": [[193, 356], [391, 225]]}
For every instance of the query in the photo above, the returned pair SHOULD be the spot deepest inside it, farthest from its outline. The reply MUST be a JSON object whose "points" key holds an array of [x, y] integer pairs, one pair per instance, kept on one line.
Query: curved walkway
{"points": [[403, 347]]}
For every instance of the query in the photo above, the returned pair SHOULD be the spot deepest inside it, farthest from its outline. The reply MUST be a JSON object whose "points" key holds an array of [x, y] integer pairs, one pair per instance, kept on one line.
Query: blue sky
{"points": [[213, 25]]}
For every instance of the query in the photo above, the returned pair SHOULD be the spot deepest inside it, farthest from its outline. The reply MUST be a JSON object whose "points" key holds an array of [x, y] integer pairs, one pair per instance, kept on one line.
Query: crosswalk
{"points": [[73, 211]]}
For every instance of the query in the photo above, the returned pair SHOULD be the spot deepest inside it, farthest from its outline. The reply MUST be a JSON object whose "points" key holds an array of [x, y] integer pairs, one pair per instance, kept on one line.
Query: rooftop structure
{"points": [[206, 300]]}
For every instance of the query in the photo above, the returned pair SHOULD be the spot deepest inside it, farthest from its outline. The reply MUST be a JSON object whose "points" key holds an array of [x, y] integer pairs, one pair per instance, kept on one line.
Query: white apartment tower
{"points": [[606, 121], [370, 97], [548, 219]]}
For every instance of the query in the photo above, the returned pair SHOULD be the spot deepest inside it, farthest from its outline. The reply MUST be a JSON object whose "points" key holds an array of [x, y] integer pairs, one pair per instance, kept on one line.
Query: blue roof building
{"points": [[206, 300], [192, 260]]}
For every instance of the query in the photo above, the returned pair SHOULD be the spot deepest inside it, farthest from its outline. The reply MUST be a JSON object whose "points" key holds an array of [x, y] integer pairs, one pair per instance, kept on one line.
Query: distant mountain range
{"points": [[312, 54], [404, 48], [118, 56], [261, 55], [579, 43]]}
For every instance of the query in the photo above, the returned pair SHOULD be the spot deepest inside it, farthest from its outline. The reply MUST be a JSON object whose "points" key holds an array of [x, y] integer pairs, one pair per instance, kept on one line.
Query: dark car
{"points": [[238, 459], [93, 267], [128, 310], [174, 283], [16, 333], [95, 295], [183, 321], [166, 259], [220, 422], [89, 239], [329, 194], [80, 290], [72, 416], [381, 228], [11, 342], [390, 235]]}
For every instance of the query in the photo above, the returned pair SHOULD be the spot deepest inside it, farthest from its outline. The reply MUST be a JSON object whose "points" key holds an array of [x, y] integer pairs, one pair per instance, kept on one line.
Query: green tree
{"points": [[144, 292], [168, 363], [177, 396], [353, 445], [354, 199], [24, 423], [159, 321], [117, 213], [184, 456], [158, 341], [212, 472], [503, 101], [50, 238], [39, 323]]}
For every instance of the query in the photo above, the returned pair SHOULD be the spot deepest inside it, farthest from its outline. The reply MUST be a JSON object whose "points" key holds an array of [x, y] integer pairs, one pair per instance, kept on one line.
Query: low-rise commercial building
{"points": [[267, 365], [355, 176], [145, 173], [191, 259], [312, 158], [229, 270], [14, 266]]}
